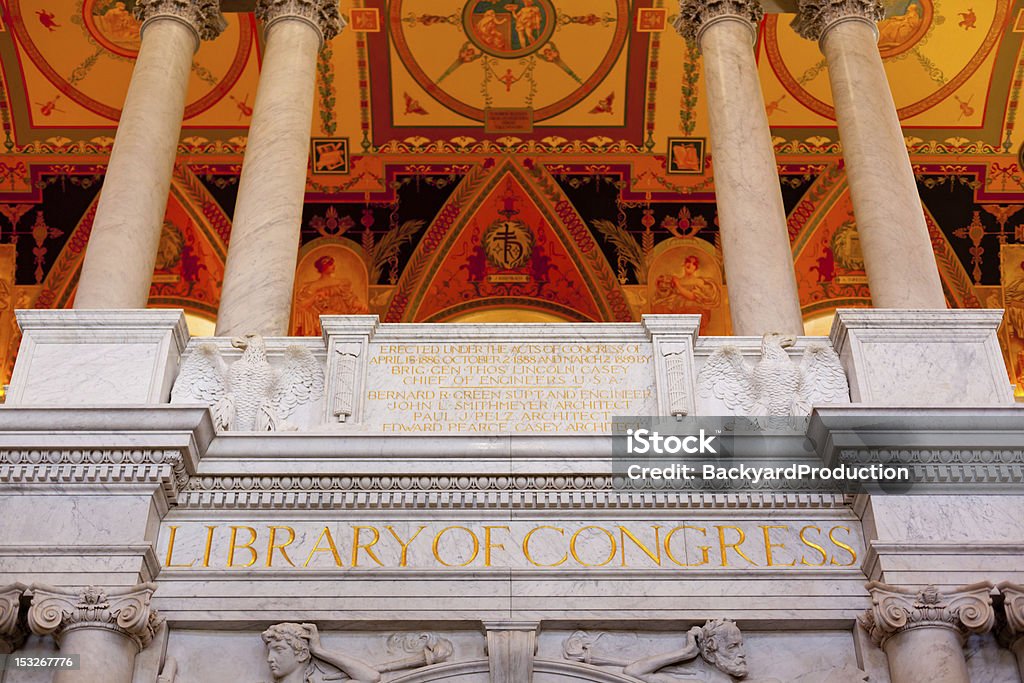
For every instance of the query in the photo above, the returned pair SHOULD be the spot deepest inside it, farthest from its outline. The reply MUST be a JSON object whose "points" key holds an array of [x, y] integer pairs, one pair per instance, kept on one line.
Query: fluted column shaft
{"points": [[898, 254], [106, 628], [260, 270], [121, 254], [923, 632], [758, 258]]}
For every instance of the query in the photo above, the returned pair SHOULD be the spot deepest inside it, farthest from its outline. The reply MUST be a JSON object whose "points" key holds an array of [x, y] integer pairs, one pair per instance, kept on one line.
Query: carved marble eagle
{"points": [[250, 395], [775, 385]]}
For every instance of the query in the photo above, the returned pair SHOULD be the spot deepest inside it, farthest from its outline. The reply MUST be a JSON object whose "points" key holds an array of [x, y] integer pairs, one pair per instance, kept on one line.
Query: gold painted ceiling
{"points": [[580, 122]]}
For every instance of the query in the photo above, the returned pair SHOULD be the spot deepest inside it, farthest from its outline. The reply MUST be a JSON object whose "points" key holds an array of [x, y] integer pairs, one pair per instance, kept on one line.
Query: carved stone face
{"points": [[729, 654], [283, 660]]}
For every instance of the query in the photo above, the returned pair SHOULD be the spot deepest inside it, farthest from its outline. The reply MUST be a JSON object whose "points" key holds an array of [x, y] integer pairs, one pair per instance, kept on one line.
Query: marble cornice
{"points": [[894, 610], [695, 16], [125, 611], [202, 16], [816, 17], [321, 15], [12, 629]]}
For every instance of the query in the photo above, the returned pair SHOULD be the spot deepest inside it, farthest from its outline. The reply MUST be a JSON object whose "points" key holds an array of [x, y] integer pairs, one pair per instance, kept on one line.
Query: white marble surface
{"points": [[898, 254], [260, 270], [121, 253], [755, 240], [81, 357], [988, 662], [921, 357]]}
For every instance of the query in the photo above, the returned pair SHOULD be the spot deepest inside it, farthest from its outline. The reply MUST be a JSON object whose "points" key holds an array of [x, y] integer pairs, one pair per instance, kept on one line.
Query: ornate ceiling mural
{"points": [[513, 160]]}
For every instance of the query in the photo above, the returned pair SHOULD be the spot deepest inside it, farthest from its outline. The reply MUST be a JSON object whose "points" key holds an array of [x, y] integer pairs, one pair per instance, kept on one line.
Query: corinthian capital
{"points": [[815, 17], [968, 610], [12, 633], [123, 610], [202, 16], [320, 14], [696, 15], [1012, 617]]}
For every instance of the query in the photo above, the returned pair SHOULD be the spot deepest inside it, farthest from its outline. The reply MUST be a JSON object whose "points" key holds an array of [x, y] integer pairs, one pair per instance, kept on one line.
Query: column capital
{"points": [[816, 17], [12, 631], [1011, 622], [696, 15], [893, 611], [322, 15], [202, 16], [125, 611]]}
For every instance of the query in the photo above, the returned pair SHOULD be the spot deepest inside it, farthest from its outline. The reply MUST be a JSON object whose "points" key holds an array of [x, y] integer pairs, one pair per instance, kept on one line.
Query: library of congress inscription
{"points": [[497, 387]]}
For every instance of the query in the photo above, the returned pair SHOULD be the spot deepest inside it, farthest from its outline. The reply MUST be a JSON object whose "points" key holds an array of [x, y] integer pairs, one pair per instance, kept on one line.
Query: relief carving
{"points": [[814, 17], [345, 380], [694, 15], [677, 373], [296, 655], [250, 395], [125, 610], [775, 385], [718, 644]]}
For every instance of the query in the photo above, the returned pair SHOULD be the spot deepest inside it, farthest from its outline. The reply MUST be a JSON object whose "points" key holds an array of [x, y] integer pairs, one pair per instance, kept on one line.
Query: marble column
{"points": [[107, 628], [121, 254], [923, 632], [755, 239], [12, 632], [260, 270], [1011, 633], [894, 237]]}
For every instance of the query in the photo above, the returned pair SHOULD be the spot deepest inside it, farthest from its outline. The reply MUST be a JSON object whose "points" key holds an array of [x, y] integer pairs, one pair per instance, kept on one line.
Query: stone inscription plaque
{"points": [[497, 387]]}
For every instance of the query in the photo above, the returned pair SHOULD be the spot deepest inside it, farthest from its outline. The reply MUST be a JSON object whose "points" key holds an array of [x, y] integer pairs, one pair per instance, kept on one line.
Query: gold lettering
{"points": [[611, 540], [488, 545], [272, 546], [232, 546], [442, 532], [209, 545], [624, 533], [331, 548], [768, 545], [853, 553], [735, 546], [812, 544], [170, 551], [405, 545], [368, 547], [705, 549], [526, 546]]}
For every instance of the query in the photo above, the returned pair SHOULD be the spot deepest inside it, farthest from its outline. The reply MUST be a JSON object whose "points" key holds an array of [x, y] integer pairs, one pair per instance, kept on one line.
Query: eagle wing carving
{"points": [[204, 379], [300, 381], [823, 378], [727, 377]]}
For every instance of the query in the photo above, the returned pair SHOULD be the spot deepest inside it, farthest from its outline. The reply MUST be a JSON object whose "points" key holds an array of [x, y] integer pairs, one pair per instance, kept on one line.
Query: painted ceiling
{"points": [[543, 160]]}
